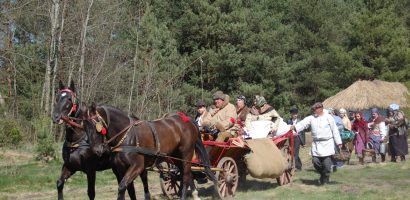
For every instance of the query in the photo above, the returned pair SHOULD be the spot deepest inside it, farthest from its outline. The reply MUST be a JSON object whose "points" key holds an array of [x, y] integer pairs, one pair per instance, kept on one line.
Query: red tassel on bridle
{"points": [[104, 131], [184, 117], [74, 109]]}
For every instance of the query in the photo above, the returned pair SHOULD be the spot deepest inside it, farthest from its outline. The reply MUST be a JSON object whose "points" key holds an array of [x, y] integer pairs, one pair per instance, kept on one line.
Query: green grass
{"points": [[22, 177]]}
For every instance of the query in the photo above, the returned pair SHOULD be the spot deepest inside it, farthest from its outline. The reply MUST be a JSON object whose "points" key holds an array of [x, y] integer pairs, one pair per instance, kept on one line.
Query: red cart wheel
{"points": [[170, 180], [227, 178], [287, 176]]}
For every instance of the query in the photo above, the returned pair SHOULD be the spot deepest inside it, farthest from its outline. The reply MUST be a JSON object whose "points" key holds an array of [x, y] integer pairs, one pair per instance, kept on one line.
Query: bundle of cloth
{"points": [[263, 129]]}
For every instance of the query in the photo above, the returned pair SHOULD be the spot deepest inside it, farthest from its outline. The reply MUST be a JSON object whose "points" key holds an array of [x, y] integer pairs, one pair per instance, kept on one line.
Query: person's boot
{"points": [[321, 180], [325, 180], [383, 156], [393, 158], [361, 161], [374, 158], [402, 158]]}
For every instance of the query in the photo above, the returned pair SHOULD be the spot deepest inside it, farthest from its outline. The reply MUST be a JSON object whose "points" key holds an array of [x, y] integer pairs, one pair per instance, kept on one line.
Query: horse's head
{"points": [[96, 132], [65, 102]]}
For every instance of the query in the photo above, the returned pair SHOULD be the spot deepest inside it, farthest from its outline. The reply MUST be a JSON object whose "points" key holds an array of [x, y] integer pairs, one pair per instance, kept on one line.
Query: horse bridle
{"points": [[70, 120]]}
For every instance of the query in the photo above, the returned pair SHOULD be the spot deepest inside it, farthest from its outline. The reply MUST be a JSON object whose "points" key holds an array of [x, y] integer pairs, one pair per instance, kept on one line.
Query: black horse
{"points": [[139, 144], [77, 154]]}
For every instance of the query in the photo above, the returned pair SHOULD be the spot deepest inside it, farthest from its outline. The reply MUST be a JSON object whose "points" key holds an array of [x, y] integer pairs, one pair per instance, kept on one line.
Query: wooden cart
{"points": [[227, 161]]}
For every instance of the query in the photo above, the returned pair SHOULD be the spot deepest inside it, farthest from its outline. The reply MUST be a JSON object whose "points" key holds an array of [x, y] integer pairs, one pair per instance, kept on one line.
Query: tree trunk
{"points": [[56, 57], [83, 41], [135, 63], [54, 13]]}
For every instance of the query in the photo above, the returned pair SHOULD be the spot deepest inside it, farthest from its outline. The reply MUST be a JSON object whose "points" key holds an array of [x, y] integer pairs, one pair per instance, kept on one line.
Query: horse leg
{"points": [[91, 184], [144, 179], [119, 177], [65, 174], [187, 176], [131, 190], [132, 172]]}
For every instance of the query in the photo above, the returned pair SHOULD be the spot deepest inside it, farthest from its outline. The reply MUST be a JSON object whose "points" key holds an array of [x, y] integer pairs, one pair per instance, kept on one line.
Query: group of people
{"points": [[226, 120], [374, 133]]}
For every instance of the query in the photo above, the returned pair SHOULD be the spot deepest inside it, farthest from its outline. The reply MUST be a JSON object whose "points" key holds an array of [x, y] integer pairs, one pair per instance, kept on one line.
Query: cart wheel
{"points": [[286, 177], [228, 178], [170, 180]]}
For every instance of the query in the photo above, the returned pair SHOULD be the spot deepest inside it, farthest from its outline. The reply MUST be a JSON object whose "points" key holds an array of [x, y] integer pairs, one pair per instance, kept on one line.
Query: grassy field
{"points": [[21, 177]]}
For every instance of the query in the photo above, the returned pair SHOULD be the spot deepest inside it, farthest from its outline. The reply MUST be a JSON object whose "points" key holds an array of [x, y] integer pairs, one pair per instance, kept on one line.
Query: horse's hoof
{"points": [[147, 196]]}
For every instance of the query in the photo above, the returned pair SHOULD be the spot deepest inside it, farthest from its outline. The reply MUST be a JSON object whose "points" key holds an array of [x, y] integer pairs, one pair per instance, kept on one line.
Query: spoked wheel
{"points": [[227, 178], [287, 175], [170, 180]]}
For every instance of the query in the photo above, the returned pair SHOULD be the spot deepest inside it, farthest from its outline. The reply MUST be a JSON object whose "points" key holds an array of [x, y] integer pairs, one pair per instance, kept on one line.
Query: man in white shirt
{"points": [[325, 135]]}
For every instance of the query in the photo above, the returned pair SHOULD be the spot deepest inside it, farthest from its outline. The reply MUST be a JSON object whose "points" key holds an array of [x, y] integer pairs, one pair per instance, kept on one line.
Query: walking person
{"points": [[361, 130], [325, 135], [378, 132], [299, 139], [346, 121], [397, 133], [347, 127]]}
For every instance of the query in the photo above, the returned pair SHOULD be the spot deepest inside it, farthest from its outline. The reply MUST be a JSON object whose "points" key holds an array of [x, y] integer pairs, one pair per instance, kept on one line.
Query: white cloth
{"points": [[282, 129], [324, 134], [259, 129]]}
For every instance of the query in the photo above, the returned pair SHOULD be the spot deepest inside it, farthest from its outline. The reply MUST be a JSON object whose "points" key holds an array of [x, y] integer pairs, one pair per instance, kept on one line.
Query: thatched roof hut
{"points": [[362, 95]]}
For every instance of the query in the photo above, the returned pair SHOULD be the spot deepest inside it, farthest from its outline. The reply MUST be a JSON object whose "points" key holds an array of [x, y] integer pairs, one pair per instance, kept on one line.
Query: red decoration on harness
{"points": [[233, 120], [74, 108], [104, 131], [240, 122], [184, 117]]}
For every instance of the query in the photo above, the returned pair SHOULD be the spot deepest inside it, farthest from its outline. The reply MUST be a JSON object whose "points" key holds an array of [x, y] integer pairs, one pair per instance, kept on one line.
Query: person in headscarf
{"points": [[347, 126], [241, 109], [261, 110], [338, 120], [397, 133], [346, 121], [377, 133], [361, 130]]}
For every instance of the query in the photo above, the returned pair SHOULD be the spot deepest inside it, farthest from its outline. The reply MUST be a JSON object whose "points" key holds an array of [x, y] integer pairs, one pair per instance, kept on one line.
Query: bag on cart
{"points": [[265, 159]]}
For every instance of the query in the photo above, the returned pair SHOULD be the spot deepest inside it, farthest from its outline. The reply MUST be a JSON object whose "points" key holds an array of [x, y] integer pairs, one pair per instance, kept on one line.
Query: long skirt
{"points": [[398, 144], [359, 145], [375, 140]]}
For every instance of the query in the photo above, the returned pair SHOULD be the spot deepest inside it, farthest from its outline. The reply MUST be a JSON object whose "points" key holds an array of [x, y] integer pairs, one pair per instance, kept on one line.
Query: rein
{"points": [[135, 123]]}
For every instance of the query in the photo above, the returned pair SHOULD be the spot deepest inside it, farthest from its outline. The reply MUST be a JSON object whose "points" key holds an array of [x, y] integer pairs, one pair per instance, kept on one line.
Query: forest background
{"points": [[158, 56]]}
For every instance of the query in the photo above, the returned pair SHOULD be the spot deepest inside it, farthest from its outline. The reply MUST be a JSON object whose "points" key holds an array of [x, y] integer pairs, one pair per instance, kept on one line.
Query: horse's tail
{"points": [[203, 156]]}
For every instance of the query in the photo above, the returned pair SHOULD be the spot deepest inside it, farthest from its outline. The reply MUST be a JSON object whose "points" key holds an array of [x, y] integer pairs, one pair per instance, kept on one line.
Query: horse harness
{"points": [[79, 144], [137, 148]]}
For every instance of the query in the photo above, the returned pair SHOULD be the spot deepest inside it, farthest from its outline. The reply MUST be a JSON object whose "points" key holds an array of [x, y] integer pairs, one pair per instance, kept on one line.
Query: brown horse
{"points": [[138, 144], [77, 154]]}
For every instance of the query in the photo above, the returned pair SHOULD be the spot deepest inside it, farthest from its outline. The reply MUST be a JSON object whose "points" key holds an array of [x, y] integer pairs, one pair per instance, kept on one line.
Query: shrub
{"points": [[10, 133], [45, 148]]}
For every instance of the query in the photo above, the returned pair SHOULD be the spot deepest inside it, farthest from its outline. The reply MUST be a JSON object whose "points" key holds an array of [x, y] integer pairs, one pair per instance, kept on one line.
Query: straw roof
{"points": [[368, 94]]}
